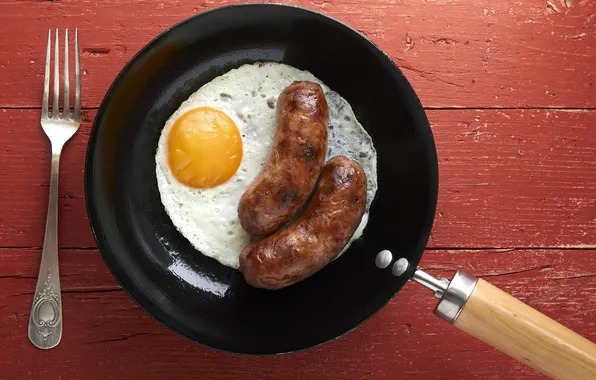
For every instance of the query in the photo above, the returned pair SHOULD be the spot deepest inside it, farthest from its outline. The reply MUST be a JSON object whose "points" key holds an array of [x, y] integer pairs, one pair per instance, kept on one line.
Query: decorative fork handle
{"points": [[45, 321]]}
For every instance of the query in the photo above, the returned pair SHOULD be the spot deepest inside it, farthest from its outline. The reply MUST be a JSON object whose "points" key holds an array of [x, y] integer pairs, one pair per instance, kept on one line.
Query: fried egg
{"points": [[214, 145]]}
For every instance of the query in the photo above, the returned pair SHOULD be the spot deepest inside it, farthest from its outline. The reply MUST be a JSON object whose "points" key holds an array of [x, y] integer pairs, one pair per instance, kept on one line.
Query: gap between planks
{"points": [[430, 108], [570, 247]]}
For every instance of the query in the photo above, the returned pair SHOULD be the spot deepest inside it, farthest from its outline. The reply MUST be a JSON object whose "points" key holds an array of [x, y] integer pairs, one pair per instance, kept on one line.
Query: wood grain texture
{"points": [[523, 178], [516, 329], [508, 178], [456, 53], [107, 336], [25, 176]]}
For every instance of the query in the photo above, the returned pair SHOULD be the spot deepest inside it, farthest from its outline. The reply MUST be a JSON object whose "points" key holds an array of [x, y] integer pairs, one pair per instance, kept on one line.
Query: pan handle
{"points": [[495, 317]]}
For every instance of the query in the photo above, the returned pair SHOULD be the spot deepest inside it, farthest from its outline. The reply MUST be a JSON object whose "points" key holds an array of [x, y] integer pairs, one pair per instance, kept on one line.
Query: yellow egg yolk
{"points": [[204, 148]]}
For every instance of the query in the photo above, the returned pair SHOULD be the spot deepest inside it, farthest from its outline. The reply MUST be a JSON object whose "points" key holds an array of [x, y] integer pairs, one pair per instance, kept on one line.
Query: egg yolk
{"points": [[204, 148]]}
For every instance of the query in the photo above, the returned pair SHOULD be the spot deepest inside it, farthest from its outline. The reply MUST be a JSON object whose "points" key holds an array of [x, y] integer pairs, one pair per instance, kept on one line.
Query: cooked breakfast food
{"points": [[317, 236], [214, 145], [294, 162]]}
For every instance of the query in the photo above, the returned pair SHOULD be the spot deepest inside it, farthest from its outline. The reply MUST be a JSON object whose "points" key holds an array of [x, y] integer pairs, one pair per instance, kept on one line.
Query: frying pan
{"points": [[213, 305]]}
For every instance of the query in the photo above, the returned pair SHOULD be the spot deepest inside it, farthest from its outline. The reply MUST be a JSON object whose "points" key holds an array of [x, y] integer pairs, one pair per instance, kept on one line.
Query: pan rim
{"points": [[146, 303]]}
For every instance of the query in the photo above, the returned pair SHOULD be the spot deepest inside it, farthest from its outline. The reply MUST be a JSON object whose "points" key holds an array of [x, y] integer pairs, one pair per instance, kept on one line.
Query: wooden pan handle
{"points": [[518, 330]]}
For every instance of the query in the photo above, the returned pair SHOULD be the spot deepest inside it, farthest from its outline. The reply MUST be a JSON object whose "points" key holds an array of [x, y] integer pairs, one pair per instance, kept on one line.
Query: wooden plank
{"points": [[25, 176], [523, 178], [510, 178], [455, 53], [106, 335]]}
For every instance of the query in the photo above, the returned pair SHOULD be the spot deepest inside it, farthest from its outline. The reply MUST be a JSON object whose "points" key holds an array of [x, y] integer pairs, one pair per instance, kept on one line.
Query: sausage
{"points": [[317, 236], [294, 163]]}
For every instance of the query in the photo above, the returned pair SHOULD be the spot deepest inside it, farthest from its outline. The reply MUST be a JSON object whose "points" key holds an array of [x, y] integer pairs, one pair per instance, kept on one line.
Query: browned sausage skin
{"points": [[294, 163], [317, 236]]}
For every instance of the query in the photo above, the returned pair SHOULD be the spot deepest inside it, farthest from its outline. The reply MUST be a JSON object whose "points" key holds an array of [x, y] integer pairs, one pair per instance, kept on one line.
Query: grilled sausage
{"points": [[294, 163], [317, 236]]}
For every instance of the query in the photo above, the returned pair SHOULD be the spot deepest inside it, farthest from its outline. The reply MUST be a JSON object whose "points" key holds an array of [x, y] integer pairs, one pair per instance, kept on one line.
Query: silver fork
{"points": [[45, 321]]}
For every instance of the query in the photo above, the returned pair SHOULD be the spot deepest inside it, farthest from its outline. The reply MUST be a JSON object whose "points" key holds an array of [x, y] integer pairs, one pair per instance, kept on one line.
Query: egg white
{"points": [[208, 217]]}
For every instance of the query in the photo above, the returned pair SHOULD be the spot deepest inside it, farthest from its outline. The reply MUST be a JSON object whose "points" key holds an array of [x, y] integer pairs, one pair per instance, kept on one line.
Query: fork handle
{"points": [[45, 321]]}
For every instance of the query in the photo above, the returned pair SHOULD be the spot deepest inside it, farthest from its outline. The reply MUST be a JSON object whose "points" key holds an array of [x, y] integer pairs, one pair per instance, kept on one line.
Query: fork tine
{"points": [[55, 106], [77, 104], [66, 108], [46, 79]]}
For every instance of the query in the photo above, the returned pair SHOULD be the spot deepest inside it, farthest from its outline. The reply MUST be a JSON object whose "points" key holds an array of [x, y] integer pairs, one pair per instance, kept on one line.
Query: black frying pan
{"points": [[135, 235]]}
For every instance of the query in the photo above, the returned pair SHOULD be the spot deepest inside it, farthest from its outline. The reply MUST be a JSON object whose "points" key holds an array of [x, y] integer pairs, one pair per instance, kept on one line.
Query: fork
{"points": [[45, 321]]}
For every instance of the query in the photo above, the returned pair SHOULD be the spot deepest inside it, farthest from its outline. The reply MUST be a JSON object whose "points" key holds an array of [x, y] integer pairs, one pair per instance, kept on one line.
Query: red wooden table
{"points": [[510, 91]]}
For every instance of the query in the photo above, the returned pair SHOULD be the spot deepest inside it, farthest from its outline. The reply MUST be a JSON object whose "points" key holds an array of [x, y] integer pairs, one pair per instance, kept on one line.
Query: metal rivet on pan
{"points": [[400, 266], [383, 259]]}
